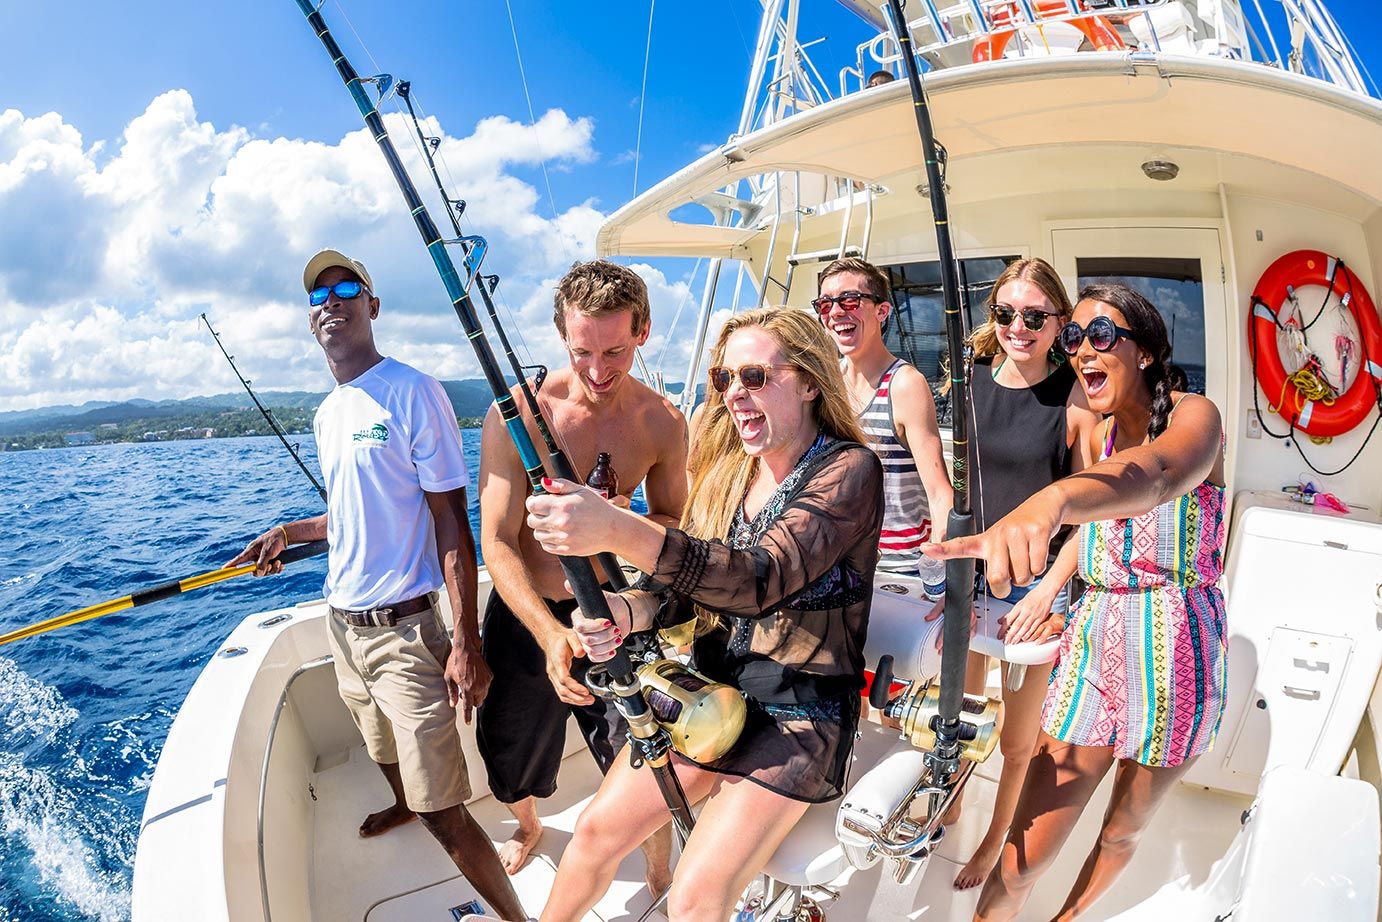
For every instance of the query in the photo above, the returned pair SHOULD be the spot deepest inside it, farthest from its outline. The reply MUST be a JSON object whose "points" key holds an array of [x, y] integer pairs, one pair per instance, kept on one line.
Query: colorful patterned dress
{"points": [[1142, 662]]}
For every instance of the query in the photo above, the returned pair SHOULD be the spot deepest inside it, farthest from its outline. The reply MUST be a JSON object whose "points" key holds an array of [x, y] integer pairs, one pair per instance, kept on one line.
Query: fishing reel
{"points": [[703, 718], [917, 711], [894, 811]]}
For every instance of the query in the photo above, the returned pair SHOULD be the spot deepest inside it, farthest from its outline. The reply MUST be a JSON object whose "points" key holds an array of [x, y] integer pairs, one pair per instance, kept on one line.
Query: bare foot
{"points": [[977, 871], [376, 824], [514, 853]]}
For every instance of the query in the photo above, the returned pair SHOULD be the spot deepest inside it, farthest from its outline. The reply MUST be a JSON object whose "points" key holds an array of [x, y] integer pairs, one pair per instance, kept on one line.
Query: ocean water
{"points": [[84, 710]]}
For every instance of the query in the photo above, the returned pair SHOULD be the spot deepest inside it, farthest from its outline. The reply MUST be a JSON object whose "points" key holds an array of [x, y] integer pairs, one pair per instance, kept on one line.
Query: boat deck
{"points": [[403, 875]]}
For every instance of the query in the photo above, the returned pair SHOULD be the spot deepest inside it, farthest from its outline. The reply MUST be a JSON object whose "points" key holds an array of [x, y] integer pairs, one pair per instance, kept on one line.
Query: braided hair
{"points": [[1149, 332]]}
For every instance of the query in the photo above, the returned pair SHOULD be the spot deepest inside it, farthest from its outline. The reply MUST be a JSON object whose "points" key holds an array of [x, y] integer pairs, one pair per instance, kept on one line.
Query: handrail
{"points": [[308, 666], [1316, 46]]}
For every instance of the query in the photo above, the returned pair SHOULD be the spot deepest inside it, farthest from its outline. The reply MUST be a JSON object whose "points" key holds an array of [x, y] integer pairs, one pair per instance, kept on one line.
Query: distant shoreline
{"points": [[224, 424]]}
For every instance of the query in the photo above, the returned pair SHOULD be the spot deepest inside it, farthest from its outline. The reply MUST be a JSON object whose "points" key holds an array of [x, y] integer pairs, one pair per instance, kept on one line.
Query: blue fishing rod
{"points": [[474, 249], [959, 575], [652, 742]]}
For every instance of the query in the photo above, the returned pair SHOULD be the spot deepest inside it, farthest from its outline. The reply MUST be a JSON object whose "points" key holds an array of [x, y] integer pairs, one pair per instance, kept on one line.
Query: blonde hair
{"points": [[984, 338], [601, 287], [719, 468]]}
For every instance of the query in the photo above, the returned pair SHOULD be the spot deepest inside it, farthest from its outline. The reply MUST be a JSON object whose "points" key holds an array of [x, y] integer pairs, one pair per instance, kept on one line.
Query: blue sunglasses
{"points": [[343, 290]]}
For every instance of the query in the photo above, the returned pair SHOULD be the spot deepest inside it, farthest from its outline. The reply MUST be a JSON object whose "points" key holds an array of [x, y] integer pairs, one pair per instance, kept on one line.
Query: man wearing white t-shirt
{"points": [[390, 452]]}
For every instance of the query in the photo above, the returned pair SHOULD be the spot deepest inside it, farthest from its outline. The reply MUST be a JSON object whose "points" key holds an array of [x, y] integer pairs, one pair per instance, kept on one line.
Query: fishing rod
{"points": [[945, 755], [157, 593], [264, 411], [648, 737], [470, 245]]}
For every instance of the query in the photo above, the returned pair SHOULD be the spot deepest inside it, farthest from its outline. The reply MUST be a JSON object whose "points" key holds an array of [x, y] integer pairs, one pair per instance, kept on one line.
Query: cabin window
{"points": [[1175, 286], [916, 329]]}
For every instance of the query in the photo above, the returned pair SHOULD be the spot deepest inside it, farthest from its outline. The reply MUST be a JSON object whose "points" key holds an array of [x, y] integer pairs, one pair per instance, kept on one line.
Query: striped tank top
{"points": [[906, 517]]}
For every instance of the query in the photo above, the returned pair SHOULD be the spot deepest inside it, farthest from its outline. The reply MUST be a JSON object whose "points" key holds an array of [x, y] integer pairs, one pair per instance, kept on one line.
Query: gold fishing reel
{"points": [[703, 718], [917, 709]]}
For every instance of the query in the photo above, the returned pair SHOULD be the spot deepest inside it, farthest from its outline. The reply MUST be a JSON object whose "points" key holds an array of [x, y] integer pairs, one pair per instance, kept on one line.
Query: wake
{"points": [[47, 812]]}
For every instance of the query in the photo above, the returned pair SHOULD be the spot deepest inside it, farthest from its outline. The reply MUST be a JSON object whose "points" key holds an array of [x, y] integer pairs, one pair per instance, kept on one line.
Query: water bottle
{"points": [[932, 573]]}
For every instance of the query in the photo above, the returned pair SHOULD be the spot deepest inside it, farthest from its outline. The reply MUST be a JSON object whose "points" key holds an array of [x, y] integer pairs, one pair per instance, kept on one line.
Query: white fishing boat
{"points": [[1181, 145]]}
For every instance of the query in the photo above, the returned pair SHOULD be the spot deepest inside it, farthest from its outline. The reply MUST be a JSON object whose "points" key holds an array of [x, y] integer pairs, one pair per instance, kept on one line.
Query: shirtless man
{"points": [[895, 408], [601, 310]]}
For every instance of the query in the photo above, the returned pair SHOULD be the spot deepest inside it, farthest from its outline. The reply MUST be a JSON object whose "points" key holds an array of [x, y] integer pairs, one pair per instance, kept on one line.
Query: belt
{"points": [[385, 615]]}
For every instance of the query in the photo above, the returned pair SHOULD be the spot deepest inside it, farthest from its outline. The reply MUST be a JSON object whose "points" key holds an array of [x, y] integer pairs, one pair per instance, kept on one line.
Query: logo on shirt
{"points": [[378, 434]]}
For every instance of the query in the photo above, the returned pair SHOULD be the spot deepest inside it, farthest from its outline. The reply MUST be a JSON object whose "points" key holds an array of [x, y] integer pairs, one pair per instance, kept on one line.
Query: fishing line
{"points": [[642, 95], [537, 135]]}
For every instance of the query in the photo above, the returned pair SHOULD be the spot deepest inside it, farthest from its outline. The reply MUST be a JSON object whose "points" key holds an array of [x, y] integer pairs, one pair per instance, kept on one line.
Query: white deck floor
{"points": [[404, 875]]}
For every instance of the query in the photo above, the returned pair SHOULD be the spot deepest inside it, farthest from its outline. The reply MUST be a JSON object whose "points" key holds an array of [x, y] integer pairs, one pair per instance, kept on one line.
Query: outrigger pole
{"points": [[652, 742], [264, 411], [959, 577]]}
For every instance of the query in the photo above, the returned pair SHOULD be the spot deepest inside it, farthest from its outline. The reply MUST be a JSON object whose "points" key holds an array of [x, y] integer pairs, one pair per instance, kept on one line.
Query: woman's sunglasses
{"points": [[1102, 333], [344, 290], [848, 300], [753, 376], [1032, 318]]}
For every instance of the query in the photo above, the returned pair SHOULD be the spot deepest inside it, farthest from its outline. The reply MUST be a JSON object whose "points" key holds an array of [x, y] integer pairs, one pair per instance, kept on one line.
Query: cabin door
{"points": [[1179, 269]]}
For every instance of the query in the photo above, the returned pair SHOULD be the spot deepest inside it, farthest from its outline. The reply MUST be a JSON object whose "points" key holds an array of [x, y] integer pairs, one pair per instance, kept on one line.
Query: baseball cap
{"points": [[328, 258]]}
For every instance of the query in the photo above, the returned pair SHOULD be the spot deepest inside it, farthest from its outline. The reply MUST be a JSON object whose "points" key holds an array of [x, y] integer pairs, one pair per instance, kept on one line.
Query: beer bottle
{"points": [[602, 478]]}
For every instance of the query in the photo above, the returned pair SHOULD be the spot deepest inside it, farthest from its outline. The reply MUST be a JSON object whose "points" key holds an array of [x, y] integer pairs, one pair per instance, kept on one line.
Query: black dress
{"points": [[793, 589], [1019, 442]]}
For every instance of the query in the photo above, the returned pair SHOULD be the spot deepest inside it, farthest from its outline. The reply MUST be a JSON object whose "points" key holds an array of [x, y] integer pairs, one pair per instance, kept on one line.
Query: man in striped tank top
{"points": [[896, 411]]}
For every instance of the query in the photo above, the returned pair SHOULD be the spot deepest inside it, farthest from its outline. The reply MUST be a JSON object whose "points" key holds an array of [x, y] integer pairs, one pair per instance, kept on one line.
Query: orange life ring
{"points": [[1297, 270], [1097, 29]]}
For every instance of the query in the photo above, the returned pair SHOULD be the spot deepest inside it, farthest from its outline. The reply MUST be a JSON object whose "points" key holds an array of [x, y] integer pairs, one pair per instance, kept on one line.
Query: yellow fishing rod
{"points": [[158, 593]]}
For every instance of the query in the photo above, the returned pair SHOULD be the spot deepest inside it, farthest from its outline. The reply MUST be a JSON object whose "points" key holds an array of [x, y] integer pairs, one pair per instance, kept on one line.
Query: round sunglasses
{"points": [[1103, 334], [753, 375], [343, 290], [848, 300], [1032, 318]]}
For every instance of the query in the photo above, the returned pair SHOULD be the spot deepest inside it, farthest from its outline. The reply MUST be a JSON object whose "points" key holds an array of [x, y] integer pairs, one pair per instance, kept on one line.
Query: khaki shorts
{"points": [[391, 679]]}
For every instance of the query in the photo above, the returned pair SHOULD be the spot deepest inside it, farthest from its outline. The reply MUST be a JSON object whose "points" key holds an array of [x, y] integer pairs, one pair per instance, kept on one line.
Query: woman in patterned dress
{"points": [[775, 556], [1140, 680]]}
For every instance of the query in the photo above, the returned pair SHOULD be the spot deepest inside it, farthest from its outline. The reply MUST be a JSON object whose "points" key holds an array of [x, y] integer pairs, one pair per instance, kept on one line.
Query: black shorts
{"points": [[521, 729]]}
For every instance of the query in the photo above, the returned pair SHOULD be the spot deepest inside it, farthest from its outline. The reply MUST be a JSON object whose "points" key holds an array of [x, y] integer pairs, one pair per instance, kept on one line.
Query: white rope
{"points": [[643, 95], [532, 119]]}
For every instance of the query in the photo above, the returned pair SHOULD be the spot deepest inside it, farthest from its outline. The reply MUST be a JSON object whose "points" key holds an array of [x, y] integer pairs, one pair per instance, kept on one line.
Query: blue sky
{"points": [[197, 152]]}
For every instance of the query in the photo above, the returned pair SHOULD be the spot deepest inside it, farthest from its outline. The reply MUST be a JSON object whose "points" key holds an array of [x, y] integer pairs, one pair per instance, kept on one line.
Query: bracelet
{"points": [[286, 542], [628, 607]]}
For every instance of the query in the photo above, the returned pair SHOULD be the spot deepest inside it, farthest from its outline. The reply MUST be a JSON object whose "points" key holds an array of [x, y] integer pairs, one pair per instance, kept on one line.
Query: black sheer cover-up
{"points": [[793, 588]]}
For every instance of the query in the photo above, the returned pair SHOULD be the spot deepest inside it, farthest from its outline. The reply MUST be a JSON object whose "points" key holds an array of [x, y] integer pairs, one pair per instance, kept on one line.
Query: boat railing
{"points": [[1303, 38]]}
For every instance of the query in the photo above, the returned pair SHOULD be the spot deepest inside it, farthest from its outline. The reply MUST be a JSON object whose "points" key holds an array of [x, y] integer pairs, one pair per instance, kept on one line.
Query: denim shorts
{"points": [[1060, 606]]}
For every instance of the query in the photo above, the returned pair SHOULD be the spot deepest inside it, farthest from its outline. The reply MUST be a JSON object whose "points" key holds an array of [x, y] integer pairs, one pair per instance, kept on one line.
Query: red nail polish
{"points": [[547, 483]]}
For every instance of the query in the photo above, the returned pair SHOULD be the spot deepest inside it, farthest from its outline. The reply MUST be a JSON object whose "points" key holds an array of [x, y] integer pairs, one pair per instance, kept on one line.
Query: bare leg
{"points": [[470, 848], [379, 823], [514, 853], [1138, 791], [626, 810], [1021, 721], [976, 681], [657, 857], [1060, 780], [739, 829]]}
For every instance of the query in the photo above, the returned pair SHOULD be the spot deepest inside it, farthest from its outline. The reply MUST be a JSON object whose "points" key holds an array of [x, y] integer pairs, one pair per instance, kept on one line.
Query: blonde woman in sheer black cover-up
{"points": [[776, 557]]}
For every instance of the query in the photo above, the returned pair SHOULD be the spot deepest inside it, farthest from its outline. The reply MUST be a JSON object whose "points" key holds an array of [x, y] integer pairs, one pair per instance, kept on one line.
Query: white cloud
{"points": [[108, 254]]}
